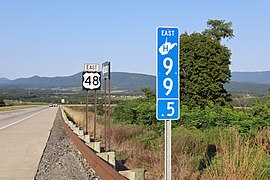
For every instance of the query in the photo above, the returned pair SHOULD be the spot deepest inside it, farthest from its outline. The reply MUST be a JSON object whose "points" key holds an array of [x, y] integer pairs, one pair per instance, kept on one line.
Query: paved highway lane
{"points": [[8, 118], [23, 137]]}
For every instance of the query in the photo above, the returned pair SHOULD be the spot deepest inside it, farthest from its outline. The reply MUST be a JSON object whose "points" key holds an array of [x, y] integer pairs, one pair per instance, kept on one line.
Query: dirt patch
{"points": [[61, 159]]}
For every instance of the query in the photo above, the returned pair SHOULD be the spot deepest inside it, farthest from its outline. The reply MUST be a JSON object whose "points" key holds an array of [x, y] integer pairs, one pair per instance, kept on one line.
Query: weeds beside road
{"points": [[12, 108]]}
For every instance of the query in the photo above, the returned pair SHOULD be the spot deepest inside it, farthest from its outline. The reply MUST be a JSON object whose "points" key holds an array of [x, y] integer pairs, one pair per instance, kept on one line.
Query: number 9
{"points": [[168, 66], [169, 86]]}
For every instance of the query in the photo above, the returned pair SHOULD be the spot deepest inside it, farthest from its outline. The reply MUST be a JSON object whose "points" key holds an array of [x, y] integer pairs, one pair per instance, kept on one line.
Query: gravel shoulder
{"points": [[61, 159]]}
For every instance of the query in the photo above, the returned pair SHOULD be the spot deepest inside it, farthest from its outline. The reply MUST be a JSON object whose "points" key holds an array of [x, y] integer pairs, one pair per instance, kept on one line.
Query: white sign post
{"points": [[167, 83]]}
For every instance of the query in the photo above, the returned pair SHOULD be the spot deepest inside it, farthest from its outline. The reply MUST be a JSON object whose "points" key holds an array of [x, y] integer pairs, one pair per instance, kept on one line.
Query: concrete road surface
{"points": [[23, 137]]}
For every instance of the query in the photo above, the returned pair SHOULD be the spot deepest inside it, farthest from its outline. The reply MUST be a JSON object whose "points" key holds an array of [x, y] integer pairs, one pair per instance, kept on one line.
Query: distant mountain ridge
{"points": [[262, 77], [247, 87], [120, 81], [4, 80], [249, 82], [43, 82]]}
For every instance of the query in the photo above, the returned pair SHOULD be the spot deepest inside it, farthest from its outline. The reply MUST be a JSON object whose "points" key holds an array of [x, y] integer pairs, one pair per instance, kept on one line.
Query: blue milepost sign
{"points": [[167, 82]]}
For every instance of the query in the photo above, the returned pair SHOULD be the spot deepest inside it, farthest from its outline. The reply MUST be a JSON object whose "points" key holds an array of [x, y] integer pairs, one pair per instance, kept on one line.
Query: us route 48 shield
{"points": [[91, 80]]}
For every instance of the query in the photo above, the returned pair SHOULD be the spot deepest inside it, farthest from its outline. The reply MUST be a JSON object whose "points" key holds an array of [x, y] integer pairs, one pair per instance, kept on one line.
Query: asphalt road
{"points": [[8, 118], [23, 137]]}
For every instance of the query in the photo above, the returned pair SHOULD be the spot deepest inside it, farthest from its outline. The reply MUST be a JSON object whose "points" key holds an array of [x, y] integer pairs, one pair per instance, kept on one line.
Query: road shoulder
{"points": [[60, 159]]}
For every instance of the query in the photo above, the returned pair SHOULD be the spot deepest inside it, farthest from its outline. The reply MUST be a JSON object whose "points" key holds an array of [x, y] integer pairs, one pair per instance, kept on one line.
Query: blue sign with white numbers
{"points": [[167, 82]]}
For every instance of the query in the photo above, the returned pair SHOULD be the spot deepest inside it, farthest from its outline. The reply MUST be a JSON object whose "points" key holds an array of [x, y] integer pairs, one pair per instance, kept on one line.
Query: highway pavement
{"points": [[23, 137]]}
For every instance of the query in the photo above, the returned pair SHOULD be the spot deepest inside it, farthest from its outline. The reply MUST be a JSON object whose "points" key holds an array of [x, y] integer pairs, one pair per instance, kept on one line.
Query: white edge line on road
{"points": [[22, 119]]}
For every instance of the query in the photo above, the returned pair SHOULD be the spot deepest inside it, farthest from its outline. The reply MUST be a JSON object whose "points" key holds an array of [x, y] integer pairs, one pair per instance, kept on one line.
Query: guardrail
{"points": [[104, 170]]}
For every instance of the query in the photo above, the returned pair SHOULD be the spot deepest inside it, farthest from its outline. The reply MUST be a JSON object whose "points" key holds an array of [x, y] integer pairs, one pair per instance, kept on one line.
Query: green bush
{"points": [[143, 112], [2, 103], [215, 116], [190, 141], [140, 112]]}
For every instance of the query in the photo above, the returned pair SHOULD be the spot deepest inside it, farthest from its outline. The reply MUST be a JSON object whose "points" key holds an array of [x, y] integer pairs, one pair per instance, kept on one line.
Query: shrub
{"points": [[216, 116], [185, 141], [122, 133], [2, 103], [237, 159], [139, 112]]}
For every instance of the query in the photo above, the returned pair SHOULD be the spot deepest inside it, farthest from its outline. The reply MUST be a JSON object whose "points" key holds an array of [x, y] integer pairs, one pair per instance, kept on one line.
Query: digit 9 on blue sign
{"points": [[167, 73]]}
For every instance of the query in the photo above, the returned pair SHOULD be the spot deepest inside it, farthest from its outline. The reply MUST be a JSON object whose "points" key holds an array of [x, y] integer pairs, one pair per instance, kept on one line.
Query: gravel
{"points": [[61, 159]]}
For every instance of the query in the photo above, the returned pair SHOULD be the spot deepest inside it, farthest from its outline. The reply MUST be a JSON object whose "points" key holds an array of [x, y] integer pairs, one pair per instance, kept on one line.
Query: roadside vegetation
{"points": [[9, 105], [54, 95], [213, 142], [208, 151], [2, 103], [11, 108]]}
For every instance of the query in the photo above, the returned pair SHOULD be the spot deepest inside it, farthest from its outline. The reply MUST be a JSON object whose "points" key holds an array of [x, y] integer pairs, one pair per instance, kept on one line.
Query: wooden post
{"points": [[86, 119], [105, 112], [109, 113], [95, 114]]}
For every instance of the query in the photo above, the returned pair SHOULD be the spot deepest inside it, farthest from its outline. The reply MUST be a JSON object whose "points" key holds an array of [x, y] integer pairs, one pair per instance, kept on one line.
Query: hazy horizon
{"points": [[67, 75]]}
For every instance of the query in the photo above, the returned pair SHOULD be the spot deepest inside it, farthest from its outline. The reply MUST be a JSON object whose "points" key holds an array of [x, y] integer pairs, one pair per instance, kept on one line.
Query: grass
{"points": [[78, 114], [262, 139], [15, 108], [236, 159], [136, 150], [20, 103]]}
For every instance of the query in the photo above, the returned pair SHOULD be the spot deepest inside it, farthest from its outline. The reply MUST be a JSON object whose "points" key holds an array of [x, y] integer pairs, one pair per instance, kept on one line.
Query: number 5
{"points": [[170, 108]]}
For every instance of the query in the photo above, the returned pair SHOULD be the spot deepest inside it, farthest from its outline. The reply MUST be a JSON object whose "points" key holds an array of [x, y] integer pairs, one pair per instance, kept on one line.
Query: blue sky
{"points": [[56, 37]]}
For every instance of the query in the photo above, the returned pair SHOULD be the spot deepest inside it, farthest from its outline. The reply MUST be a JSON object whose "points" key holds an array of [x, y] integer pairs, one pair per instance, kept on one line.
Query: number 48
{"points": [[92, 79]]}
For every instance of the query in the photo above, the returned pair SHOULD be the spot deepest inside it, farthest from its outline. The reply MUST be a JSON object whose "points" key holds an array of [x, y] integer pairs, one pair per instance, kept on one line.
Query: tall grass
{"points": [[142, 148], [237, 158], [263, 140], [136, 151], [78, 115]]}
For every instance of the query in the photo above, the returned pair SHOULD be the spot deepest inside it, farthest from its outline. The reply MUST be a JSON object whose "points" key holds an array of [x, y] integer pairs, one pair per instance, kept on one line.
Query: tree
{"points": [[218, 29], [2, 103], [204, 66], [148, 93]]}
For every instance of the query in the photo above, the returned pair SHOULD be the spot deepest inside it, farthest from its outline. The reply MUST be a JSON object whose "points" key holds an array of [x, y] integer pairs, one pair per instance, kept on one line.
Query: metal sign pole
{"points": [[168, 152], [86, 119], [106, 74], [109, 112], [95, 114], [105, 112]]}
